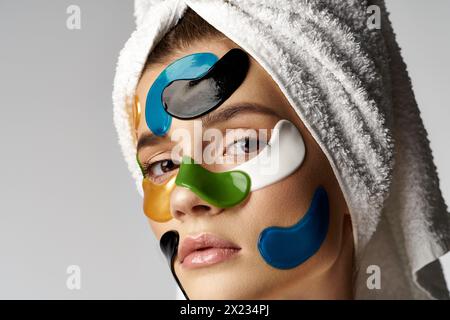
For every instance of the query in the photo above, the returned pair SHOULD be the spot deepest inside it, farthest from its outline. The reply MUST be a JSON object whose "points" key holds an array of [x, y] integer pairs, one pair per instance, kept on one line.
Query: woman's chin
{"points": [[221, 291], [226, 282]]}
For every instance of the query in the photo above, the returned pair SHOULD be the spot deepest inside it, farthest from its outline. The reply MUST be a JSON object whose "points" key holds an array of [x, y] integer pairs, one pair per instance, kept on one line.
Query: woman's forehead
{"points": [[217, 47]]}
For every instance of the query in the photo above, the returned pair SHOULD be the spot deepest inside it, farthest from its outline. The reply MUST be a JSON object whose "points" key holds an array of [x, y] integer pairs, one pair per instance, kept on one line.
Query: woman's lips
{"points": [[205, 249]]}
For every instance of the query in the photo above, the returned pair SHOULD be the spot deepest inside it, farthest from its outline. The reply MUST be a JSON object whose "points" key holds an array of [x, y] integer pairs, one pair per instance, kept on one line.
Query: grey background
{"points": [[66, 194]]}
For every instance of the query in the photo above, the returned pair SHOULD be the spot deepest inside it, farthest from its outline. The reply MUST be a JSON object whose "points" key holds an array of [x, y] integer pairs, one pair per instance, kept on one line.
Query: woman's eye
{"points": [[245, 146], [159, 168]]}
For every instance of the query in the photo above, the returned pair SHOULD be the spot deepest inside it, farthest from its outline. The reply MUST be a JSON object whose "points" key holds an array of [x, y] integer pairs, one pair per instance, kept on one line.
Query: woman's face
{"points": [[246, 275]]}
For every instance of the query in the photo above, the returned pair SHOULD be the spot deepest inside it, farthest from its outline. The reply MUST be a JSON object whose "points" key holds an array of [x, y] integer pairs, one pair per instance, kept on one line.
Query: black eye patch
{"points": [[191, 98]]}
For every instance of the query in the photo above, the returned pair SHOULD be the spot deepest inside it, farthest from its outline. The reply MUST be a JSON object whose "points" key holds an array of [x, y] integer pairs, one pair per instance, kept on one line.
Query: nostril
{"points": [[178, 214], [200, 208]]}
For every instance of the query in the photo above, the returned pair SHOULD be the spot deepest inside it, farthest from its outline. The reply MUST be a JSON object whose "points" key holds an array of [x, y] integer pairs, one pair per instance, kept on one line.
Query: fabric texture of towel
{"points": [[350, 87]]}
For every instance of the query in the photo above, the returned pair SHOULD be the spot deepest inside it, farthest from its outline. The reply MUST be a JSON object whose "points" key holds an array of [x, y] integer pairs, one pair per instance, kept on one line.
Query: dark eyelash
{"points": [[241, 139], [143, 166], [258, 141]]}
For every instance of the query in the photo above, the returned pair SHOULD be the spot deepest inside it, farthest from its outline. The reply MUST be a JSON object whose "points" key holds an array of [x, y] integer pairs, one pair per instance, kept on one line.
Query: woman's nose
{"points": [[184, 204]]}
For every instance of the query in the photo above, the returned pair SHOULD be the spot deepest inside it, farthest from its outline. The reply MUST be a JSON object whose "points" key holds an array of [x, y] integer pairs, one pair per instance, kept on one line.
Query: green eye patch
{"points": [[221, 189]]}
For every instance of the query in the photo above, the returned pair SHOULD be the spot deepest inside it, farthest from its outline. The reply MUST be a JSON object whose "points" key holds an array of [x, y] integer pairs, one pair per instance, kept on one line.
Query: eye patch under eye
{"points": [[283, 155], [157, 199], [193, 86], [221, 189]]}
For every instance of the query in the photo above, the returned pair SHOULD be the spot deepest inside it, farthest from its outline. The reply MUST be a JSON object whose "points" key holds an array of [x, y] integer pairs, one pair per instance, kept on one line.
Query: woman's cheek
{"points": [[285, 202], [159, 228]]}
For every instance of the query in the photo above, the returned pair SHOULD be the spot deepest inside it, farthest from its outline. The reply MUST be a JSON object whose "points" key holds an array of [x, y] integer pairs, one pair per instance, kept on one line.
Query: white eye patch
{"points": [[280, 158]]}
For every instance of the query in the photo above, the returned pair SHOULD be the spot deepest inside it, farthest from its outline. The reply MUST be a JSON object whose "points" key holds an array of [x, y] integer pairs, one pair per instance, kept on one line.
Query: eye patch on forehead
{"points": [[193, 86], [192, 98]]}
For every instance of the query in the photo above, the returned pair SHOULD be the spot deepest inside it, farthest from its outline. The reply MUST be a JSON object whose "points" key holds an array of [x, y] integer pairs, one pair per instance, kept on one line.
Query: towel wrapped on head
{"points": [[349, 85]]}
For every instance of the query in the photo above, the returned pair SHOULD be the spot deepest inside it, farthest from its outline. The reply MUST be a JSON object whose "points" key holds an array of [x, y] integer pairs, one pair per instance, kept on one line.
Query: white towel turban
{"points": [[349, 86]]}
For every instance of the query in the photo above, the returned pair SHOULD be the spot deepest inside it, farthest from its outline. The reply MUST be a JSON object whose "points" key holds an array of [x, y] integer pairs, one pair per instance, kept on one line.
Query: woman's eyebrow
{"points": [[148, 139], [231, 111], [208, 120]]}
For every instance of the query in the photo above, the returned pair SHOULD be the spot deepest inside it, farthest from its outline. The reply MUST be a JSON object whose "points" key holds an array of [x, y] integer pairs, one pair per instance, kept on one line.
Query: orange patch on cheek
{"points": [[157, 199]]}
